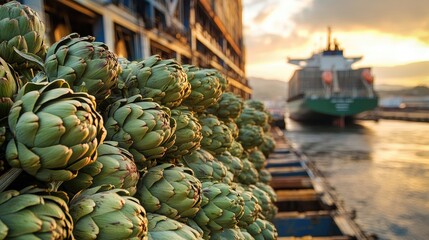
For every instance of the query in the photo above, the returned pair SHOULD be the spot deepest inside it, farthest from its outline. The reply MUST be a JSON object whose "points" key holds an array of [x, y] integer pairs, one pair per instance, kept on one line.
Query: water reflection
{"points": [[380, 169]]}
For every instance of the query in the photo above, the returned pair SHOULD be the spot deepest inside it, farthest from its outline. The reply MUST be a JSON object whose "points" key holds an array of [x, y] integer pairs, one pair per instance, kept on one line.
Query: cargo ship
{"points": [[327, 88]]}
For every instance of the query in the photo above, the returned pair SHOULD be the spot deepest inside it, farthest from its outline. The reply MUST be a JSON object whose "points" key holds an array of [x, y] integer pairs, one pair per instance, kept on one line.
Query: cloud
{"points": [[409, 18], [262, 48], [264, 13]]}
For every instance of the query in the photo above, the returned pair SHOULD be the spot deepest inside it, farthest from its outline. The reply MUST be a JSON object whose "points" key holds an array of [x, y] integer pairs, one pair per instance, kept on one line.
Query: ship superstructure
{"points": [[327, 86]]}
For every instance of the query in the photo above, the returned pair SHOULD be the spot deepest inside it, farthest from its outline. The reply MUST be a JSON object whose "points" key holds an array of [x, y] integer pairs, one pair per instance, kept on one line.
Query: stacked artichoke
{"points": [[123, 149]]}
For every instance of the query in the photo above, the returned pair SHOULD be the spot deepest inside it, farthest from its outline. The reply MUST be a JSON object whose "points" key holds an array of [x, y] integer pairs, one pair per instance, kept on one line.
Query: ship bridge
{"points": [[325, 61]]}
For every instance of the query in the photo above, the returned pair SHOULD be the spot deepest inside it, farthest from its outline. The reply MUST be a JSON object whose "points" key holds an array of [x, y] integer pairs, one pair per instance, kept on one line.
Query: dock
{"points": [[308, 206]]}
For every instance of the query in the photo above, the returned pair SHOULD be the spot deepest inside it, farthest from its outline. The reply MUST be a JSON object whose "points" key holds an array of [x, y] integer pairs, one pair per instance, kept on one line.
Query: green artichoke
{"points": [[191, 223], [114, 165], [229, 106], [269, 210], [258, 159], [250, 136], [206, 87], [246, 234], [205, 166], [265, 176], [55, 131], [23, 29], [169, 190], [9, 85], [267, 128], [252, 208], [188, 133], [141, 126], [236, 149], [269, 190], [163, 228], [217, 137], [262, 230], [256, 104], [228, 233], [86, 65], [249, 174], [106, 213], [34, 214], [253, 117], [222, 207], [229, 178], [232, 163], [163, 80], [268, 145], [233, 127], [222, 79]]}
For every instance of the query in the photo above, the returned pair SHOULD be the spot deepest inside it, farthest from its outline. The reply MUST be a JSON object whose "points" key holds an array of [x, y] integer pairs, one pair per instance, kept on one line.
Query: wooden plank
{"points": [[281, 215], [286, 169], [285, 156], [283, 160], [296, 195], [291, 182]]}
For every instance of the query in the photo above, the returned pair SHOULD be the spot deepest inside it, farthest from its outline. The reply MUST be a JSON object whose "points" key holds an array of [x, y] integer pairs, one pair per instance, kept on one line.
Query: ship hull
{"points": [[328, 109]]}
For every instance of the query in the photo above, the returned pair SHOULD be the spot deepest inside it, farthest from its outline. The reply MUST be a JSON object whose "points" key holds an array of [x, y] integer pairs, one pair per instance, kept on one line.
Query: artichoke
{"points": [[228, 233], [170, 190], [267, 128], [232, 163], [250, 136], [106, 213], [229, 178], [163, 80], [249, 174], [252, 208], [9, 85], [268, 145], [205, 166], [163, 228], [55, 131], [229, 106], [34, 214], [236, 149], [222, 207], [246, 234], [141, 126], [188, 133], [217, 137], [253, 117], [191, 223], [269, 210], [23, 29], [256, 104], [258, 159], [268, 189], [86, 65], [114, 165], [233, 127], [206, 87], [262, 230], [265, 176]]}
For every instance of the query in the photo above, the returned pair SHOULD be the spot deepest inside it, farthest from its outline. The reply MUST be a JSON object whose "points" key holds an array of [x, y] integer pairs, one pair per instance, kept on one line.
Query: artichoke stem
{"points": [[7, 178], [53, 186]]}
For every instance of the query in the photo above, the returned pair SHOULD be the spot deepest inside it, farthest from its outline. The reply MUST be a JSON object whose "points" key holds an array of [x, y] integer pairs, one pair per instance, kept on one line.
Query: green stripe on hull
{"points": [[340, 106], [319, 109]]}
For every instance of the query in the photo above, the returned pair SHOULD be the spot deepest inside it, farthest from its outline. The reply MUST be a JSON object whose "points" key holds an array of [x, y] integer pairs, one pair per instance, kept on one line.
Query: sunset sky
{"points": [[391, 35]]}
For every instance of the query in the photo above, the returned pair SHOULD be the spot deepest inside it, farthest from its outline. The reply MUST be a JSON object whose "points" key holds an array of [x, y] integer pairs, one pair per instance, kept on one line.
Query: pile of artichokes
{"points": [[119, 149]]}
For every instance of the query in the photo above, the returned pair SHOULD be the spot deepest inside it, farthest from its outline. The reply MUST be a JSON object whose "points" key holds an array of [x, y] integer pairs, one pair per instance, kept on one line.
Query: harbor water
{"points": [[379, 169]]}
